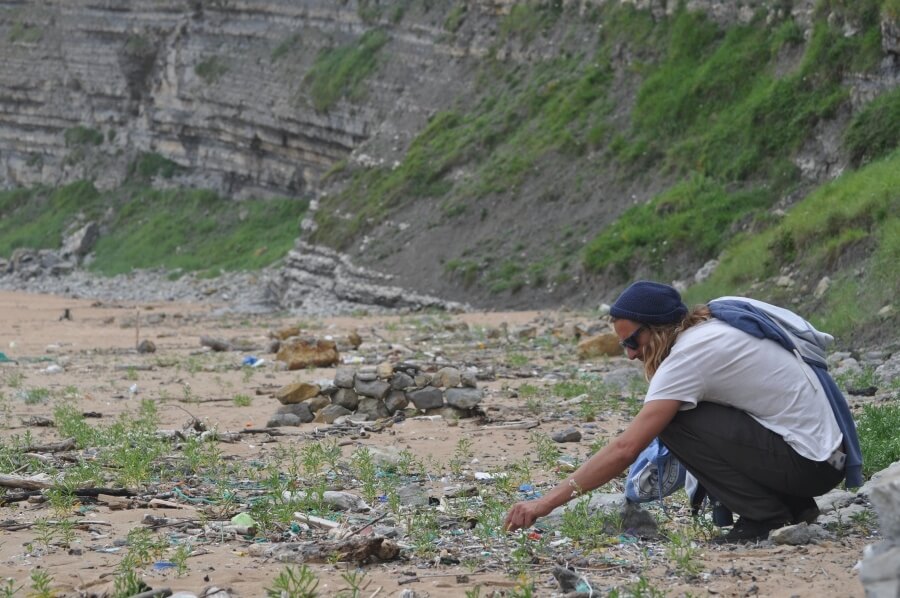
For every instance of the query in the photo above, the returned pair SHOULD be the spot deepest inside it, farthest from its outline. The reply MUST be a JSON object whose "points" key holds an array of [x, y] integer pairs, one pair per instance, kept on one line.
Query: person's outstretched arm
{"points": [[609, 462]]}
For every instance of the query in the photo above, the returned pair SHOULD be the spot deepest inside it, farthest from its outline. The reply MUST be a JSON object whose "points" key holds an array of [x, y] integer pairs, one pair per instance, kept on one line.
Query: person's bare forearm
{"points": [[609, 462]]}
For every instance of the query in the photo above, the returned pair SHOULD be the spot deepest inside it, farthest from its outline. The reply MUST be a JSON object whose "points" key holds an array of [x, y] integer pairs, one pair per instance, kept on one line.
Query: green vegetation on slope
{"points": [[192, 230], [689, 218], [875, 131], [340, 72], [197, 230], [854, 219], [211, 69], [721, 111], [81, 135], [878, 438], [714, 105], [555, 107], [37, 217]]}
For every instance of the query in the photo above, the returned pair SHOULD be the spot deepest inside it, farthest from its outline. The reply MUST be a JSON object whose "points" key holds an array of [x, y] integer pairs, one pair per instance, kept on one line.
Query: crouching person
{"points": [[740, 395]]}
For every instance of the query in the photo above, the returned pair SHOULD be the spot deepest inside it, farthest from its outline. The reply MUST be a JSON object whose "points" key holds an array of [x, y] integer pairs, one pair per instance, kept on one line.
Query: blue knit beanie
{"points": [[649, 303]]}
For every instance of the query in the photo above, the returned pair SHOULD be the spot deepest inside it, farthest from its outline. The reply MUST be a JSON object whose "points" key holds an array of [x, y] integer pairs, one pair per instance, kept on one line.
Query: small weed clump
{"points": [[875, 130], [151, 164], [877, 428], [25, 33], [182, 230], [81, 135], [296, 582], [211, 69], [286, 46]]}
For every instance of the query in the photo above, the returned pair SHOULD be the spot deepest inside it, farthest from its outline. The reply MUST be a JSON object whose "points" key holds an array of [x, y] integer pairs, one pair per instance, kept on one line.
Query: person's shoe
{"points": [[749, 530], [803, 509], [807, 515]]}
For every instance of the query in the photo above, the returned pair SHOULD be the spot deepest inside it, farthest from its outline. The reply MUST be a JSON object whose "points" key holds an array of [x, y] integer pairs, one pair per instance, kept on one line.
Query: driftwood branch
{"points": [[525, 424], [53, 447], [15, 481], [355, 549]]}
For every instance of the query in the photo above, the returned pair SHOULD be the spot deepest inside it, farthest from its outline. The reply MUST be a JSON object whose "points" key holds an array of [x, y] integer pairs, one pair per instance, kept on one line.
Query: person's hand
{"points": [[524, 514]]}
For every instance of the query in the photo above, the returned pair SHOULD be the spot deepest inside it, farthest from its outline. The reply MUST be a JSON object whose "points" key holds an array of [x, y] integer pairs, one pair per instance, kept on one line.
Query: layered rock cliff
{"points": [[230, 91], [219, 86]]}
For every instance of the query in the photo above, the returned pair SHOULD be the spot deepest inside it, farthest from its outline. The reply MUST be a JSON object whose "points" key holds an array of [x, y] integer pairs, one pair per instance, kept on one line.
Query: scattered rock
{"points": [[413, 495], [463, 398], [822, 287], [601, 345], [81, 242], [283, 419], [879, 571], [401, 381], [300, 410], [216, 344], [567, 435], [795, 535], [384, 370]]}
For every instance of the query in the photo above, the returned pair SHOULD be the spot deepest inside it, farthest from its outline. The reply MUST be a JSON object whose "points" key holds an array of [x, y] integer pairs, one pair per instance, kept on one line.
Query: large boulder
{"points": [[81, 242], [604, 344], [303, 353], [880, 567]]}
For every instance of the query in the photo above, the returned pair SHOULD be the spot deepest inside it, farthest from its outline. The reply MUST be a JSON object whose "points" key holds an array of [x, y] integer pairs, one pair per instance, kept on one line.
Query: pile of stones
{"points": [[312, 276], [373, 392]]}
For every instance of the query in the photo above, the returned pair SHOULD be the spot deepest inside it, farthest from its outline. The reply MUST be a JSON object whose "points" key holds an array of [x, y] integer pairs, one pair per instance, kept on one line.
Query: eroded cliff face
{"points": [[215, 85], [219, 86], [223, 89]]}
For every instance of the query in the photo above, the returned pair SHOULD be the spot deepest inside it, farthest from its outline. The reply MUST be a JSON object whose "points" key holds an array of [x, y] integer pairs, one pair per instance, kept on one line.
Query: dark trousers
{"points": [[748, 468]]}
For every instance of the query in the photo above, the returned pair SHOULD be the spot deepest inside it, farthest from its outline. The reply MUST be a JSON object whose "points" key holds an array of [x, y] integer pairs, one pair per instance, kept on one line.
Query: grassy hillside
{"points": [[849, 230], [179, 230], [720, 112]]}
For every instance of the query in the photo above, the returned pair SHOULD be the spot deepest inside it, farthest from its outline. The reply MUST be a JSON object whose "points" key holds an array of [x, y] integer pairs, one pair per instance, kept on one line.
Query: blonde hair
{"points": [[662, 337]]}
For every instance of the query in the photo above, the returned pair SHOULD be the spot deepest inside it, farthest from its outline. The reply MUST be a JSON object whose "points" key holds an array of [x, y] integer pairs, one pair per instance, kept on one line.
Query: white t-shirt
{"points": [[716, 362]]}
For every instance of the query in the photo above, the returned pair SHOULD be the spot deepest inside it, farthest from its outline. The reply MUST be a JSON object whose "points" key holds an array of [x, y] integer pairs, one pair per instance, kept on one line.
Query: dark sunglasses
{"points": [[631, 341]]}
